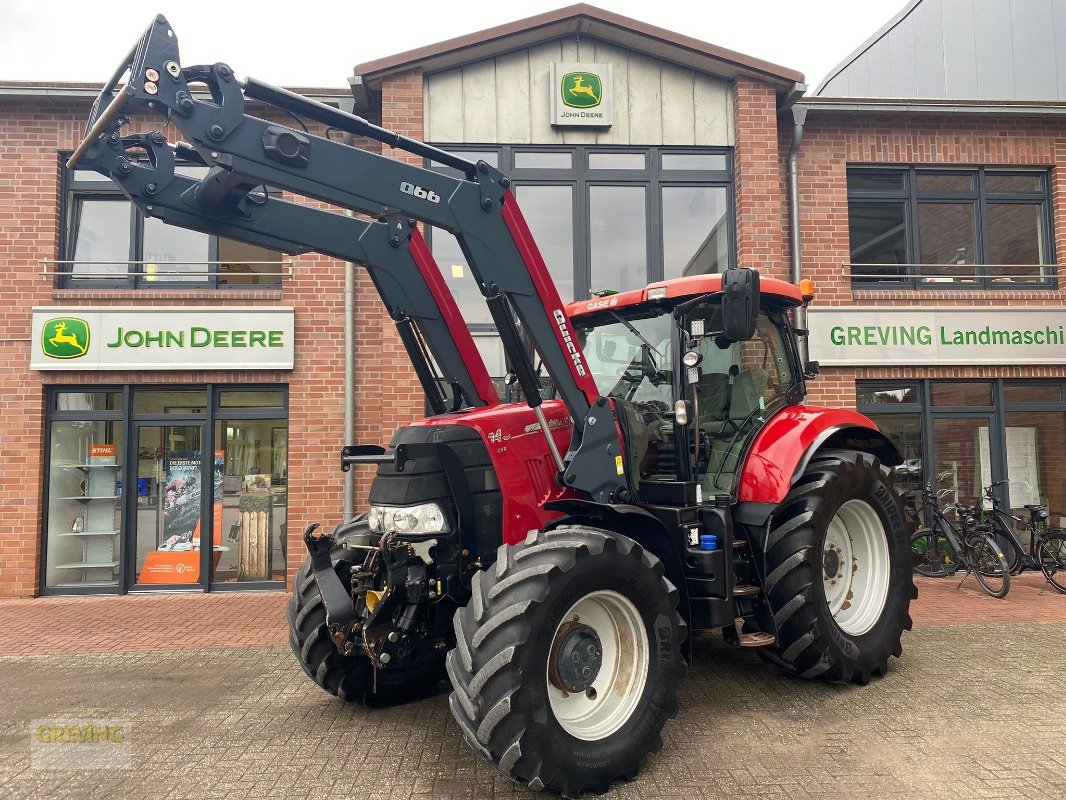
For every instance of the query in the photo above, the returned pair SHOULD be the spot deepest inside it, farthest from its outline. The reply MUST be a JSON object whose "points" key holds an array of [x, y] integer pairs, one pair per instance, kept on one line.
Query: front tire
{"points": [[989, 565], [351, 678], [838, 570], [567, 660]]}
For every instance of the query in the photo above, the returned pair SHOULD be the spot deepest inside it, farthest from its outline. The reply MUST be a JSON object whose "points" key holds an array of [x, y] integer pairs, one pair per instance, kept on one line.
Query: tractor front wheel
{"points": [[838, 570], [567, 660], [350, 677]]}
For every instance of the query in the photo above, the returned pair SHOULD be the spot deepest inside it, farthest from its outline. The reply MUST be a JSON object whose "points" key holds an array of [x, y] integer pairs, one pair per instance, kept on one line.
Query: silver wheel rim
{"points": [[856, 567], [618, 687]]}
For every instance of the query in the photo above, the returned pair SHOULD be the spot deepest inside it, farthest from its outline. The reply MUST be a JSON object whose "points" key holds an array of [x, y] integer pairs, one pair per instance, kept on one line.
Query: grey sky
{"points": [[320, 43]]}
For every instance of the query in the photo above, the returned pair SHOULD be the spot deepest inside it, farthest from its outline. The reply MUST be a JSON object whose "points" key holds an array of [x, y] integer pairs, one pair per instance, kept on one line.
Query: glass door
{"points": [[167, 499]]}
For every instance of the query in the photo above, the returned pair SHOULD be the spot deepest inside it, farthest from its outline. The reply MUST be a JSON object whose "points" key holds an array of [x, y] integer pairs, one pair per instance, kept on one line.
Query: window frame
{"points": [[73, 191], [581, 177], [981, 197]]}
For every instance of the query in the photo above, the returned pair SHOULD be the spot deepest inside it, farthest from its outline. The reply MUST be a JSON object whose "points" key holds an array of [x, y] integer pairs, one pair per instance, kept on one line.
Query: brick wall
{"points": [[387, 393], [32, 133], [758, 180]]}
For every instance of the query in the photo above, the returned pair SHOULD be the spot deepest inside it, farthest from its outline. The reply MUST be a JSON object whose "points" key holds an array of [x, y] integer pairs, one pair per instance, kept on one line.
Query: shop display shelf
{"points": [[89, 565]]}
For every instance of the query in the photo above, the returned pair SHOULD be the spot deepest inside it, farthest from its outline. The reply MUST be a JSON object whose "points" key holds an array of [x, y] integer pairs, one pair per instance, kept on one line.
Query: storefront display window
{"points": [[85, 488], [204, 502], [978, 432]]}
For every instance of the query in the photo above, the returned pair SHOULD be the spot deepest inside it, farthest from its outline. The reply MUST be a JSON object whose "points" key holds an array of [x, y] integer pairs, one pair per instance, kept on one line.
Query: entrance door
{"points": [[167, 508]]}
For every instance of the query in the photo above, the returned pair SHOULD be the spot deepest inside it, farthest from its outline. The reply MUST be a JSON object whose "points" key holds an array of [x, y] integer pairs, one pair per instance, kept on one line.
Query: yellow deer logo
{"points": [[578, 87], [61, 337]]}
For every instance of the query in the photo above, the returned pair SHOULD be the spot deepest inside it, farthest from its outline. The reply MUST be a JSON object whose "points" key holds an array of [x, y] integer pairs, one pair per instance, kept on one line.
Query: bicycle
{"points": [[1047, 545], [941, 549]]}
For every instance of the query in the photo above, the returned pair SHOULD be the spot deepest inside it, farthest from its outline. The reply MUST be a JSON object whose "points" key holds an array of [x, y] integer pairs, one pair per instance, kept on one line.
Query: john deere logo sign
{"points": [[65, 337], [581, 94], [582, 89], [161, 337]]}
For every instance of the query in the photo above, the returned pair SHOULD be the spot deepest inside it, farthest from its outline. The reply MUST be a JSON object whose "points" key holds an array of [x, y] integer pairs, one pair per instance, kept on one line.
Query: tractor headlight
{"points": [[426, 518]]}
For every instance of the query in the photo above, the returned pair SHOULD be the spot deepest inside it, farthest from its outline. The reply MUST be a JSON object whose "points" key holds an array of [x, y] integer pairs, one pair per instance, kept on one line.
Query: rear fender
{"points": [[784, 447], [640, 526]]}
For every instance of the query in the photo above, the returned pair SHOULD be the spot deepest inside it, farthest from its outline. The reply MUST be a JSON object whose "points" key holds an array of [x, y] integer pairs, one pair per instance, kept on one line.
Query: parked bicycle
{"points": [[944, 548], [1047, 545]]}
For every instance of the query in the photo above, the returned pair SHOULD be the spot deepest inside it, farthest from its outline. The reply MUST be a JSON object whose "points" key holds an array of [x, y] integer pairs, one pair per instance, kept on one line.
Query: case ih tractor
{"points": [[552, 557]]}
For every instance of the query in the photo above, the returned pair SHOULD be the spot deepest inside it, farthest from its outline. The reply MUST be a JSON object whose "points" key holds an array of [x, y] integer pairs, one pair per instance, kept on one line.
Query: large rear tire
{"points": [[350, 678], [838, 570], [567, 660]]}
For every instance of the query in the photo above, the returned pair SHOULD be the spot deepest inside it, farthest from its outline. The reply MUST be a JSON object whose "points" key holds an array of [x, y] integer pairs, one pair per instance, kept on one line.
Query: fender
{"points": [[785, 445], [639, 525]]}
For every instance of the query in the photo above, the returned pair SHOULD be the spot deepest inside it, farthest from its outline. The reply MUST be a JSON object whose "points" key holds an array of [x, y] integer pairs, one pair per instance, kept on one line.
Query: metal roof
{"points": [[996, 50]]}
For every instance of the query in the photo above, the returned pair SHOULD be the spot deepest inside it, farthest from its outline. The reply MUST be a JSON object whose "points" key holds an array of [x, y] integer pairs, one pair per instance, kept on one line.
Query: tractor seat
{"points": [[736, 404]]}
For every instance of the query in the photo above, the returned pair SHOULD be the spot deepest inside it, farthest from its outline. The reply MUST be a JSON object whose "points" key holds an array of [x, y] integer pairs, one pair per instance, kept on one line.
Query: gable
{"points": [[506, 99]]}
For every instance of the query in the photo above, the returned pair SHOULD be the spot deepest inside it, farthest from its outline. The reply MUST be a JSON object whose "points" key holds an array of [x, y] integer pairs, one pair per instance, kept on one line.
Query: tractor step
{"points": [[738, 543], [746, 590], [737, 636], [757, 639]]}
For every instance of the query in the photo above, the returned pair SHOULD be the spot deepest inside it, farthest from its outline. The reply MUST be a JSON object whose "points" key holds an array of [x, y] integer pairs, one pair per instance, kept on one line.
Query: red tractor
{"points": [[550, 556]]}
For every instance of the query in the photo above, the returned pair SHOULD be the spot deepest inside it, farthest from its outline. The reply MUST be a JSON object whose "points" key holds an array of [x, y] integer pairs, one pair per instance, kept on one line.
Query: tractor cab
{"points": [[696, 368]]}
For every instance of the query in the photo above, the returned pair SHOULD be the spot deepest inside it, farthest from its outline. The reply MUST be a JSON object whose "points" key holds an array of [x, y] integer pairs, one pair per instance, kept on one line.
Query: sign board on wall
{"points": [[581, 94], [850, 336], [122, 338]]}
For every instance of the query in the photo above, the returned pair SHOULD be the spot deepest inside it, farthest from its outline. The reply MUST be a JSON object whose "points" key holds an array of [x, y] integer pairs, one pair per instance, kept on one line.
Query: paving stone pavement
{"points": [[970, 711]]}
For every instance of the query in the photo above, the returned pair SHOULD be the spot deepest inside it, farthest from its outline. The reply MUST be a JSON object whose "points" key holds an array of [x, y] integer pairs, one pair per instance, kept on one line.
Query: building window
{"points": [[108, 242], [605, 219], [963, 435], [153, 487], [954, 228]]}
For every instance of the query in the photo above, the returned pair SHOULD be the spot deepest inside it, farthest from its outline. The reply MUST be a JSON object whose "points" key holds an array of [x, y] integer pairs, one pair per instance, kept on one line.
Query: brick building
{"points": [[100, 486]]}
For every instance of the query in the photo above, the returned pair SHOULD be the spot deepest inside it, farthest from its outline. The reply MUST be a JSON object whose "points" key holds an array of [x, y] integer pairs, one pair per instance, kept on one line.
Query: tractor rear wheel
{"points": [[351, 677], [838, 571], [567, 660]]}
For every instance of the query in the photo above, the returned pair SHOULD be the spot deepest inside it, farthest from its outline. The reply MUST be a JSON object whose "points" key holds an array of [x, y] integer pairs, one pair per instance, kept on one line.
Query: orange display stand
{"points": [[182, 566]]}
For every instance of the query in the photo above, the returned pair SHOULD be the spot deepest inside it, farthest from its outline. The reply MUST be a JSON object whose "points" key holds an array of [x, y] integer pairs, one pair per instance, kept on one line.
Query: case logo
{"points": [[65, 337], [582, 89]]}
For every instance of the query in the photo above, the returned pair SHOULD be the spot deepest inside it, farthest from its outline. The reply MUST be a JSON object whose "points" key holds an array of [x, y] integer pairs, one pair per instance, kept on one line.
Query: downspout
{"points": [[349, 351], [799, 116]]}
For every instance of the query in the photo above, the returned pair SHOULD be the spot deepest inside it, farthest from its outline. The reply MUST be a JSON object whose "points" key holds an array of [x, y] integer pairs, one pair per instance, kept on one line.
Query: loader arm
{"points": [[393, 251], [476, 207]]}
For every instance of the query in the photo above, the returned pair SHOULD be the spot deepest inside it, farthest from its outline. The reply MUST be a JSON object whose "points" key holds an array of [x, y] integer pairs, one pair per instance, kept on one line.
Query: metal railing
{"points": [[966, 276], [163, 271]]}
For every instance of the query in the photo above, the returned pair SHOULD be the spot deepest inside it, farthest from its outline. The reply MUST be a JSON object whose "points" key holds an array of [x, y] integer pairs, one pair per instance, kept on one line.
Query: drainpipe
{"points": [[799, 116], [349, 351]]}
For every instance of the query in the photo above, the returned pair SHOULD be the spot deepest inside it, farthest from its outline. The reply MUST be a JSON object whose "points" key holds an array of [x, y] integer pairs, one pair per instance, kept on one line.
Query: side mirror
{"points": [[740, 303], [811, 369]]}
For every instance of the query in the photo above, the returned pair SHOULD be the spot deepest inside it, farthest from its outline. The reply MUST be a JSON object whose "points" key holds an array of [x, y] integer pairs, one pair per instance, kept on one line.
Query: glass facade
{"points": [[963, 435], [153, 488], [605, 219]]}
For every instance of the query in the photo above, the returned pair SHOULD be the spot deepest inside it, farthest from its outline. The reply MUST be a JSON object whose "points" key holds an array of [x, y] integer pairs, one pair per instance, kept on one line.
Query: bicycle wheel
{"points": [[1013, 555], [988, 565], [1051, 553], [932, 554]]}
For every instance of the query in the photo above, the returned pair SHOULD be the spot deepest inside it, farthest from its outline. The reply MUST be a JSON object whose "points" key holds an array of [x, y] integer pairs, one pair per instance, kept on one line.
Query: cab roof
{"points": [[676, 289]]}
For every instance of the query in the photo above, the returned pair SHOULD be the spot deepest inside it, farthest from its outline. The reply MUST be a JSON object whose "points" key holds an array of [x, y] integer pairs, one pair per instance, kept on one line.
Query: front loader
{"points": [[551, 557]]}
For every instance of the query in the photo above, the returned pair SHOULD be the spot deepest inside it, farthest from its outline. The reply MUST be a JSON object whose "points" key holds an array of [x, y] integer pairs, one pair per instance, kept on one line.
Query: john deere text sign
{"points": [[581, 94], [849, 336], [116, 338]]}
